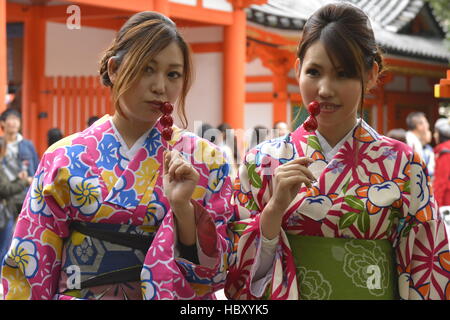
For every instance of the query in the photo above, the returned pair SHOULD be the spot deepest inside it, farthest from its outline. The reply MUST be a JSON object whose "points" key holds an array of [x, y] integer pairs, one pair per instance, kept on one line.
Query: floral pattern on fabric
{"points": [[374, 188], [86, 177]]}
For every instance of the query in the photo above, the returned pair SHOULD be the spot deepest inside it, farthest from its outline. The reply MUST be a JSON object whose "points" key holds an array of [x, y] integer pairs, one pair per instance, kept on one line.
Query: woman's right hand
{"points": [[287, 181]]}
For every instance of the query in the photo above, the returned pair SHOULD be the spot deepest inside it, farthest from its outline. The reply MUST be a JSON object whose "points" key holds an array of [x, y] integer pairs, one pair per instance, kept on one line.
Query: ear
{"points": [[372, 76], [297, 68], [112, 68]]}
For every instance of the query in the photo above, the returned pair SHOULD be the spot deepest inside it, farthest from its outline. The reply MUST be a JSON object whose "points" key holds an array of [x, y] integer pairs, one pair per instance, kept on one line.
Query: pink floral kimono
{"points": [[374, 188], [86, 181]]}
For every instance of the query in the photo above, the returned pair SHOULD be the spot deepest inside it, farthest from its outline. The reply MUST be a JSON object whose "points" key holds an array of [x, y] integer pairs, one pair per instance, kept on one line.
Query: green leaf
{"points": [[407, 230], [255, 179], [347, 219], [354, 202], [313, 142], [346, 186], [363, 221], [252, 205], [407, 186]]}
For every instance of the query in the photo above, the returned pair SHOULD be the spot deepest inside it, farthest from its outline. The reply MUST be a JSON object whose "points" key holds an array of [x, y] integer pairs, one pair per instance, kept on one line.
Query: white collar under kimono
{"points": [[129, 153], [327, 150]]}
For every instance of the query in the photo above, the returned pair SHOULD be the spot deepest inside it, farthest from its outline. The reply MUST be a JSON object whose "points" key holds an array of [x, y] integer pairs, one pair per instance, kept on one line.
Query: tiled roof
{"points": [[388, 17]]}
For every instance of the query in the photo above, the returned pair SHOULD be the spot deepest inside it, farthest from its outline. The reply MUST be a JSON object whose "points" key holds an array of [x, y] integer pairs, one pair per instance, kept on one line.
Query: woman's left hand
{"points": [[180, 180]]}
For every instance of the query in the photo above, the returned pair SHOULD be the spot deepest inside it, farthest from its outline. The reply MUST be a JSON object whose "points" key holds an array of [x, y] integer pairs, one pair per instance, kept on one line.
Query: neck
{"points": [[11, 137], [334, 134], [130, 129]]}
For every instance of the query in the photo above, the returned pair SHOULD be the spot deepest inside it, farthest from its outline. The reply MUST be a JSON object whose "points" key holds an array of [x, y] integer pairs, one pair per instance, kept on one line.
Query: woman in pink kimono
{"points": [[340, 212], [116, 211]]}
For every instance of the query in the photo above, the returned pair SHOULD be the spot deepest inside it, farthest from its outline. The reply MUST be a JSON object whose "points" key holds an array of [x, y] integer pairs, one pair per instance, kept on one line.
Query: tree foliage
{"points": [[441, 9]]}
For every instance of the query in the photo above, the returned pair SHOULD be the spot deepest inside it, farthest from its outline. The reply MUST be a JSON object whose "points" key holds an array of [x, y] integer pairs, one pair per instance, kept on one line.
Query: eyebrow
{"points": [[172, 65]]}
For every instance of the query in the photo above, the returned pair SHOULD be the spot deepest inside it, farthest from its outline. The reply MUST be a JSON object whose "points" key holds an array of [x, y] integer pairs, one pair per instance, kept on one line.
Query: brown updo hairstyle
{"points": [[140, 39], [346, 33]]}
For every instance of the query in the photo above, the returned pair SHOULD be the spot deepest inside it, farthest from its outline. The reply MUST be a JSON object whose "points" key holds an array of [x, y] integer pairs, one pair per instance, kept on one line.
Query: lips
{"points": [[328, 107], [155, 104]]}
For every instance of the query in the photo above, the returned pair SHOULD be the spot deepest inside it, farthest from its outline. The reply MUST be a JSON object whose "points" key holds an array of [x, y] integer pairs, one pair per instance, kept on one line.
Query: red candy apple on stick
{"points": [[310, 123], [166, 120]]}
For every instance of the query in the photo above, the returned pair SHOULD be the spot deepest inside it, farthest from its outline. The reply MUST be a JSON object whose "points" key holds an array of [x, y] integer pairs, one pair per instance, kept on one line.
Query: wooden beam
{"points": [[17, 12], [209, 16], [259, 97], [207, 47], [3, 62], [87, 12], [253, 79], [110, 23], [128, 5]]}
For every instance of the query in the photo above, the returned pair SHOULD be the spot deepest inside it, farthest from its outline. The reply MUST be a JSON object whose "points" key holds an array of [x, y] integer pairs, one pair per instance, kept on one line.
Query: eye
{"points": [[312, 72], [174, 75], [149, 70]]}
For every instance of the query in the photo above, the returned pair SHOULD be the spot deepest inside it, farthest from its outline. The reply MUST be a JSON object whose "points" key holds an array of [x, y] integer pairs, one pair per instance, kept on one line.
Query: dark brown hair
{"points": [[2, 147], [347, 35], [140, 39]]}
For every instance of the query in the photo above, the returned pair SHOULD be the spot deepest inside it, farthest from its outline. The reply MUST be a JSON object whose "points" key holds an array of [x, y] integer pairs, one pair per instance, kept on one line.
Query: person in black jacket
{"points": [[8, 189], [20, 153]]}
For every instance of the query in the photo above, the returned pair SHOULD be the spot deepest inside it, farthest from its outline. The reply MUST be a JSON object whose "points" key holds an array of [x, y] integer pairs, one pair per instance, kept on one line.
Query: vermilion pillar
{"points": [[33, 72], [234, 60], [3, 65], [280, 96]]}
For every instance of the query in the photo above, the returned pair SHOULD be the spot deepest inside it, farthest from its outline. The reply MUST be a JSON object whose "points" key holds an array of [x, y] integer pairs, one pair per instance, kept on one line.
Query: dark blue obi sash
{"points": [[104, 261]]}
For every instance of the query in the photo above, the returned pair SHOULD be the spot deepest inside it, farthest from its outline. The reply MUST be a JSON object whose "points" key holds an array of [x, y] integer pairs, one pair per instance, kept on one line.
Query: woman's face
{"points": [[161, 80], [339, 96]]}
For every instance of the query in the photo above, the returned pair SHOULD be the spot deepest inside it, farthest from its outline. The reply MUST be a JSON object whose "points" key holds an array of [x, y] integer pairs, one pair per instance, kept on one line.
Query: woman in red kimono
{"points": [[338, 211]]}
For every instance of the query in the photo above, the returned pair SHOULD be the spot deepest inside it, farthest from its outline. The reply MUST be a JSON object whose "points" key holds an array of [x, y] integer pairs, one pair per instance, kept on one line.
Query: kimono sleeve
{"points": [[212, 213], [32, 265], [422, 251], [251, 194]]}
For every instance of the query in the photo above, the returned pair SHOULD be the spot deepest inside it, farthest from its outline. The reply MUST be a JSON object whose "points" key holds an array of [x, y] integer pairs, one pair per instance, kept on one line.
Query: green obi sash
{"points": [[344, 269]]}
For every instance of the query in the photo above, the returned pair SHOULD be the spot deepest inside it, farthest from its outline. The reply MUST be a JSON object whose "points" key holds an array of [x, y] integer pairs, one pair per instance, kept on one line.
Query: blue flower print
{"points": [[76, 167], [147, 285], [336, 166], [156, 211], [23, 255], [128, 199], [153, 142], [108, 149], [390, 154]]}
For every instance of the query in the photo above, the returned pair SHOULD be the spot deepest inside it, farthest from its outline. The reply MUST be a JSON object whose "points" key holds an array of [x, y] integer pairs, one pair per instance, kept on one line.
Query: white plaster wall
{"points": [[259, 87], [256, 68], [204, 101], [222, 5], [202, 34], [74, 52], [293, 88], [187, 2], [258, 114]]}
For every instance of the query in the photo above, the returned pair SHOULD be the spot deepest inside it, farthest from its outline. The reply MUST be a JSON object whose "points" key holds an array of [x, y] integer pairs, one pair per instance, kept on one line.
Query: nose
{"points": [[325, 88], [157, 85]]}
